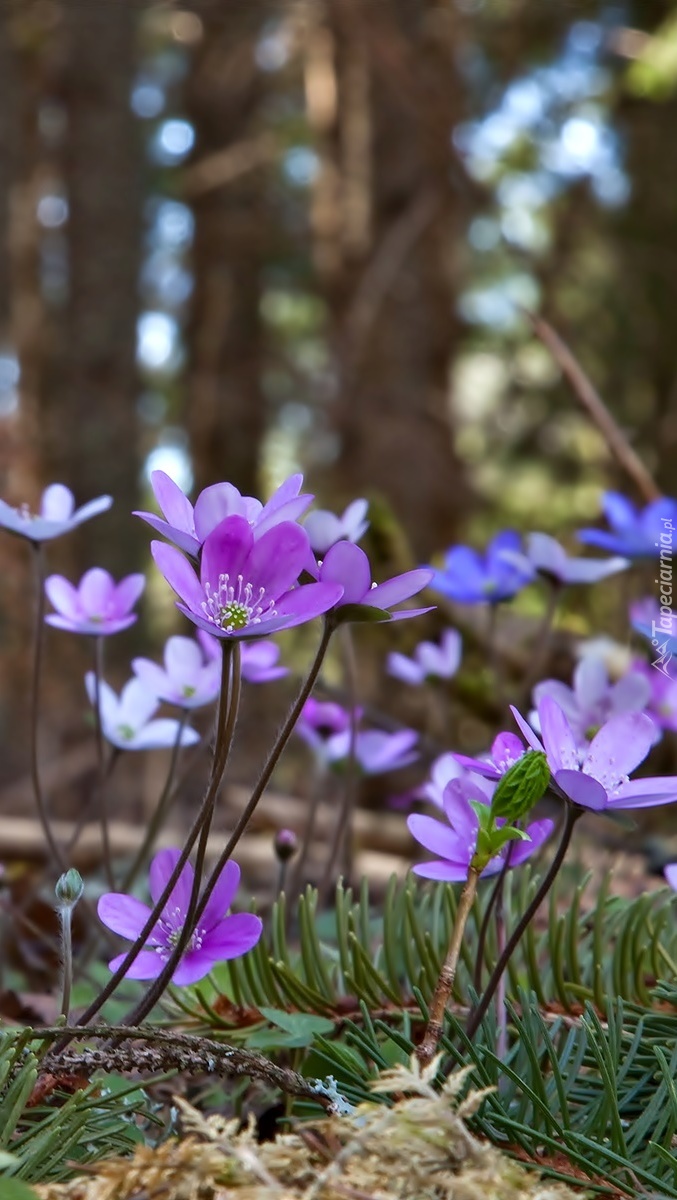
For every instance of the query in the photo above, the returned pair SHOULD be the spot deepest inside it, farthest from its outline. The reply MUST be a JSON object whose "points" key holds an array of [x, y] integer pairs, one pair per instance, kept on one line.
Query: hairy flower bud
{"points": [[69, 888], [521, 787], [286, 844]]}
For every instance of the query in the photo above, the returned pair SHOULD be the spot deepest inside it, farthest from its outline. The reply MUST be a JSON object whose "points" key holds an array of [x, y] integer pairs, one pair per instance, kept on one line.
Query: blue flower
{"points": [[472, 579], [635, 533]]}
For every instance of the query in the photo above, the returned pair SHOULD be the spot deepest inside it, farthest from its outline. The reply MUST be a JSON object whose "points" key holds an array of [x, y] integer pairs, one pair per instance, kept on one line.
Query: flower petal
{"points": [[222, 896], [185, 541], [179, 574], [161, 868], [234, 935], [277, 558], [128, 591], [438, 838], [146, 965], [175, 505], [558, 738], [123, 914], [620, 746], [61, 593], [348, 565], [214, 504], [582, 789], [400, 587], [225, 552], [96, 591]]}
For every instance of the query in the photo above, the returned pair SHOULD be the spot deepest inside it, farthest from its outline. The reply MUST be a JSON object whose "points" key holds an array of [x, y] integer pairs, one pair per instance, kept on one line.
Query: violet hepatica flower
{"points": [[126, 719], [188, 527], [548, 558], [429, 661], [259, 662], [443, 770], [455, 842], [57, 514], [593, 698], [635, 532], [596, 776], [246, 587], [662, 686], [657, 623], [670, 872], [506, 749], [470, 578], [348, 565], [216, 938], [326, 727], [325, 529], [191, 675], [97, 606]]}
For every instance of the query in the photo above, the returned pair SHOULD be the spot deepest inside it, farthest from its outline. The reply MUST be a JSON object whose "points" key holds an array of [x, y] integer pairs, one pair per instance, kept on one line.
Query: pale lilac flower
{"points": [[326, 728], [596, 776], [216, 938], [429, 661], [188, 527], [191, 675], [348, 565], [670, 872], [443, 770], [97, 606], [456, 842], [126, 719], [505, 751], [656, 622], [663, 695], [259, 662], [471, 578], [593, 698], [636, 533], [546, 556], [246, 586], [57, 514], [325, 529]]}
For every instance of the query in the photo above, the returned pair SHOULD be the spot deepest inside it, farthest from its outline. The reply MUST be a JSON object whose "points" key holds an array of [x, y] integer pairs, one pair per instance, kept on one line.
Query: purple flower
{"points": [[216, 938], [596, 776], [593, 699], [324, 528], [326, 728], [636, 533], [189, 527], [670, 873], [443, 770], [246, 586], [469, 578], [98, 605], [656, 622], [429, 660], [348, 565], [259, 662], [663, 695], [547, 557], [191, 676], [506, 749], [57, 514], [456, 842], [126, 719]]}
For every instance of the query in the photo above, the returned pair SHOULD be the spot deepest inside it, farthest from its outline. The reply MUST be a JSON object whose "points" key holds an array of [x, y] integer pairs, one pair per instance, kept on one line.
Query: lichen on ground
{"points": [[419, 1149]]}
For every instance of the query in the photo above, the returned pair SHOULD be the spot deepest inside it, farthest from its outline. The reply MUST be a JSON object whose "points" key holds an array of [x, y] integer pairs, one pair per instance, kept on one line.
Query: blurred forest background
{"points": [[244, 237]]}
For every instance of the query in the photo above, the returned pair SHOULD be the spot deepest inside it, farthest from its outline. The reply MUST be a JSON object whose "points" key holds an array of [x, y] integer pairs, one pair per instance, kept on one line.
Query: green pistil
{"points": [[234, 615]]}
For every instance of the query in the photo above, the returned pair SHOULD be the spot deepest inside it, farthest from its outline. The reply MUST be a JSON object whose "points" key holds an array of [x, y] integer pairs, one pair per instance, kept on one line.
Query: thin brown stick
{"points": [[595, 407], [427, 1049]]}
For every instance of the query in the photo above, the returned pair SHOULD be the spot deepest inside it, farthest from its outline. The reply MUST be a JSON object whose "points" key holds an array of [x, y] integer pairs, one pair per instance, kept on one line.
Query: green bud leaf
{"points": [[521, 786], [351, 613]]}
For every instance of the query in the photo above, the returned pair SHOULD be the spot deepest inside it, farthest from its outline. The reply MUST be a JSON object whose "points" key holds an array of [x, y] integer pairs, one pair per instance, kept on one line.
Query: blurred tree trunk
{"points": [[383, 96], [225, 413], [90, 404]]}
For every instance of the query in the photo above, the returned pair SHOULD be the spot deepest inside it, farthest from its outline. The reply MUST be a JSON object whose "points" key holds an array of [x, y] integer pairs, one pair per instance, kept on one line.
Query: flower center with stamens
{"points": [[171, 927], [235, 605]]}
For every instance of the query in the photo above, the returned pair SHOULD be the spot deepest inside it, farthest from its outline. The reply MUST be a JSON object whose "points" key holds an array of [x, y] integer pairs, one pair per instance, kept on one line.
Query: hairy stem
{"points": [[229, 705], [477, 1015], [426, 1051], [41, 803], [270, 764]]}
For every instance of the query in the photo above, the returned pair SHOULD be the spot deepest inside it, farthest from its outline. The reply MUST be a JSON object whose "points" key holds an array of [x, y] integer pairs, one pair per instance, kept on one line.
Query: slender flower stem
{"points": [[157, 819], [225, 728], [98, 676], [340, 851], [204, 816], [54, 848], [65, 914], [270, 763], [318, 778], [477, 1015], [492, 904], [426, 1051]]}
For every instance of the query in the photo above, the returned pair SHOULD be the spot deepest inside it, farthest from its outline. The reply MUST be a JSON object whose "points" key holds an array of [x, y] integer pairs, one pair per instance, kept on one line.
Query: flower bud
{"points": [[521, 787], [286, 844], [69, 888]]}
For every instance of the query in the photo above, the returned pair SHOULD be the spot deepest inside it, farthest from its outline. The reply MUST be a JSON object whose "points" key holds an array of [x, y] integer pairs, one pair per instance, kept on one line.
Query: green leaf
{"points": [[306, 1024], [14, 1189], [359, 612]]}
